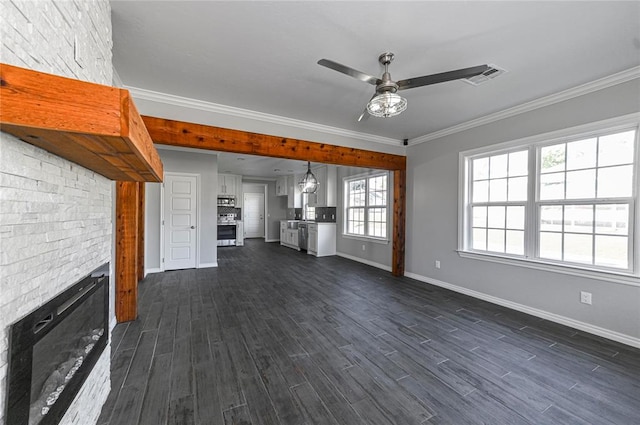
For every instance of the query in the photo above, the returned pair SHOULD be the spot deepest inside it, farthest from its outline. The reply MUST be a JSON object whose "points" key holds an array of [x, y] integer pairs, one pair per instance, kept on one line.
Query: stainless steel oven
{"points": [[227, 234]]}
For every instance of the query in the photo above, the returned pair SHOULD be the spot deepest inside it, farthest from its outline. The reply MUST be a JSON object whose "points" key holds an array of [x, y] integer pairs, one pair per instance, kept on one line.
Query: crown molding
{"points": [[602, 83], [216, 108]]}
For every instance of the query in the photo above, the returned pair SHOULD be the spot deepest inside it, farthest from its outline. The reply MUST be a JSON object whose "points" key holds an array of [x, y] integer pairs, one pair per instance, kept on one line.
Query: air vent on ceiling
{"points": [[489, 74]]}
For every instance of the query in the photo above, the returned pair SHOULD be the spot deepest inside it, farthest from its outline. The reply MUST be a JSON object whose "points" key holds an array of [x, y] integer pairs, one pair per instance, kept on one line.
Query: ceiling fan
{"points": [[385, 101]]}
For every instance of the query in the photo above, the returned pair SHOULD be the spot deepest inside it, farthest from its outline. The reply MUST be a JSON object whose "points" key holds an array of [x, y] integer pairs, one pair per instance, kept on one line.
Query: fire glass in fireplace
{"points": [[53, 350]]}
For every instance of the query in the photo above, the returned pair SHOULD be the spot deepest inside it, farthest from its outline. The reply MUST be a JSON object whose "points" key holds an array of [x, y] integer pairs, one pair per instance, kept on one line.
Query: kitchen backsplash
{"points": [[323, 214], [326, 214], [231, 210]]}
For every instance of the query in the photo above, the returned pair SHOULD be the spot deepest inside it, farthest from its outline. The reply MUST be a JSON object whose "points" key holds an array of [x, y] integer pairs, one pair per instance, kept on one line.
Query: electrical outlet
{"points": [[437, 264], [364, 247], [585, 297]]}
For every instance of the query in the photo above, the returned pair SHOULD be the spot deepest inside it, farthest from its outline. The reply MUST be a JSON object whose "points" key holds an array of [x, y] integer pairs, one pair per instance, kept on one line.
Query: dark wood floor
{"points": [[273, 336]]}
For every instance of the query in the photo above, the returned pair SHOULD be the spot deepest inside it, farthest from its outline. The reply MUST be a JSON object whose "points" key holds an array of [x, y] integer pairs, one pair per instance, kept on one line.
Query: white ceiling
{"points": [[261, 56]]}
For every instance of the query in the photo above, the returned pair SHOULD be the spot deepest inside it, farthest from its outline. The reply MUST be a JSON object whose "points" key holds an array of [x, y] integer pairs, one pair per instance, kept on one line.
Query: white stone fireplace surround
{"points": [[56, 218]]}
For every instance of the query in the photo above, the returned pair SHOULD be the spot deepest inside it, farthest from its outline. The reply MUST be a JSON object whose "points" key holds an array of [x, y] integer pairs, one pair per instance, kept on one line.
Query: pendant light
{"points": [[309, 183]]}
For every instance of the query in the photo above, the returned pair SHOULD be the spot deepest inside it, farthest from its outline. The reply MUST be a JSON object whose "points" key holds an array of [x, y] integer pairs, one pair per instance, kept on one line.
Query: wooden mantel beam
{"points": [[199, 136], [90, 124]]}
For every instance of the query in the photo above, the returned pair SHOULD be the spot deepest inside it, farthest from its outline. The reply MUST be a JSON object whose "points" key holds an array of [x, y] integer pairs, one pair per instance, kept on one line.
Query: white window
{"points": [[366, 199], [569, 201]]}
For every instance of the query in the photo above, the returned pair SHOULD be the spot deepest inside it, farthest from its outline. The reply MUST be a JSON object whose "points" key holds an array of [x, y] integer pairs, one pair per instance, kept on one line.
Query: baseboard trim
{"points": [[152, 271], [362, 260], [207, 265], [563, 320], [272, 240]]}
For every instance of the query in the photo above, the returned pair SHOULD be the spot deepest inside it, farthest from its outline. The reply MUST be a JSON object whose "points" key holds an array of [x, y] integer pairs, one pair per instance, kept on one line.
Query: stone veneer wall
{"points": [[55, 216]]}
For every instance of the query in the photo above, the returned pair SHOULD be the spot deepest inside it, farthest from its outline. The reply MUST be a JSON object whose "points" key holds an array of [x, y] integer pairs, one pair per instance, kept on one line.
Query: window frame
{"points": [[531, 258], [367, 207]]}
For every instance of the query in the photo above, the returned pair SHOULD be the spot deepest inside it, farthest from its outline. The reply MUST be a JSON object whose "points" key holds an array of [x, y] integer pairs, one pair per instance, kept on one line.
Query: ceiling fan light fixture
{"points": [[309, 183], [386, 105]]}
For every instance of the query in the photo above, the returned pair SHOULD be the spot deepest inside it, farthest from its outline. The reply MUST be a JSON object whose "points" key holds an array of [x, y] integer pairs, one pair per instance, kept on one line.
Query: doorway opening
{"points": [[254, 211]]}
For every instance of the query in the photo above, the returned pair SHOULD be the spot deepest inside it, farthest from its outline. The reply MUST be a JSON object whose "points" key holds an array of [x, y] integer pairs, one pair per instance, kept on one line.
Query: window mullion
{"points": [[532, 209]]}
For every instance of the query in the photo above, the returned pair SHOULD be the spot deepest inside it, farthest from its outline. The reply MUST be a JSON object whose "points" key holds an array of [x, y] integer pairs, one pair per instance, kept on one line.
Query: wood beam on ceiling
{"points": [[199, 136]]}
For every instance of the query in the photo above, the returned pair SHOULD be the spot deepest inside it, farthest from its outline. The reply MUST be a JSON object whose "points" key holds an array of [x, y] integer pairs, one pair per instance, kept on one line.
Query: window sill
{"points": [[366, 239], [609, 276]]}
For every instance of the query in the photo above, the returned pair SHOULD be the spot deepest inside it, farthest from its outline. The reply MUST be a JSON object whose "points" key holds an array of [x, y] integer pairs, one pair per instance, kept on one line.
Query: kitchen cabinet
{"points": [[281, 186], [289, 235], [227, 184], [322, 239], [231, 185], [293, 192], [326, 195]]}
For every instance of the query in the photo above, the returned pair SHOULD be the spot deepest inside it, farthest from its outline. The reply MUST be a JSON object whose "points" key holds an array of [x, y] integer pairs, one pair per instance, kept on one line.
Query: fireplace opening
{"points": [[54, 348]]}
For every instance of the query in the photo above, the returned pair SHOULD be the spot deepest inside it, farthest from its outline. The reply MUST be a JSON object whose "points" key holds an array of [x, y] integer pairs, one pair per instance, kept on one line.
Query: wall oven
{"points": [[227, 234]]}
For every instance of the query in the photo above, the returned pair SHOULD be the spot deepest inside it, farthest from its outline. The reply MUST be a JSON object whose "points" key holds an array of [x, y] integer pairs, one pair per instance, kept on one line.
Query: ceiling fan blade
{"points": [[442, 77], [365, 113], [349, 71]]}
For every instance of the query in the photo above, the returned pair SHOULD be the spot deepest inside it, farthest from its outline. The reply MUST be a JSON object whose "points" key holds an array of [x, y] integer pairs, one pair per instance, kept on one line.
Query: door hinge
{"points": [[163, 260], [163, 222]]}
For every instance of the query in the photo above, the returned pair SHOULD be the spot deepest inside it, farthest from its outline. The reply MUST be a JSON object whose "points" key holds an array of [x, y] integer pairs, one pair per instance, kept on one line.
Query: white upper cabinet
{"points": [[326, 195], [231, 185], [281, 186], [293, 192], [227, 184]]}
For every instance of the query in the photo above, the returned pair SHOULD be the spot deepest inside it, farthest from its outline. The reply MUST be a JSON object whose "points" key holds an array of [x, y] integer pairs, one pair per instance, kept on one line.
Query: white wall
{"points": [[432, 226], [55, 216], [204, 164]]}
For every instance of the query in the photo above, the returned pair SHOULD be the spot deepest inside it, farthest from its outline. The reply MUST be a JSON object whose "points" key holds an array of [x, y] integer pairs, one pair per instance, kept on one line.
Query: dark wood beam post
{"points": [[140, 231], [399, 207], [126, 251]]}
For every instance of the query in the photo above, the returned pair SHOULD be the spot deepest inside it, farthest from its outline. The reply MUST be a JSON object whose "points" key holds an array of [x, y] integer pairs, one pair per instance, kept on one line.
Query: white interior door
{"points": [[180, 215], [253, 215]]}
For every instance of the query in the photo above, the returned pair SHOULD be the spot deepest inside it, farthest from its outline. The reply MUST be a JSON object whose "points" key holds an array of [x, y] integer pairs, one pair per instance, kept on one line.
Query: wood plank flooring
{"points": [[273, 336]]}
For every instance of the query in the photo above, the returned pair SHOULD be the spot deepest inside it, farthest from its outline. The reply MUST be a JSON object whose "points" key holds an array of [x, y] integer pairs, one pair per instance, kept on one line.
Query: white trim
{"points": [[602, 83], [362, 260], [532, 143], [563, 320], [152, 271], [153, 96], [271, 240], [623, 279], [161, 258], [366, 238], [198, 218], [207, 265]]}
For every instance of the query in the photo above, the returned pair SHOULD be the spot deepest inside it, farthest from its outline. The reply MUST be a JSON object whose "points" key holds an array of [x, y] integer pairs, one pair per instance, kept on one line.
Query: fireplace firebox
{"points": [[54, 348]]}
